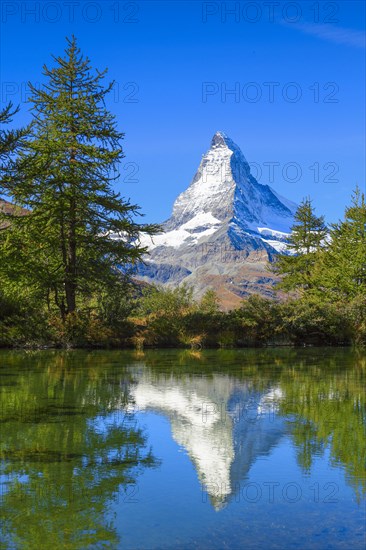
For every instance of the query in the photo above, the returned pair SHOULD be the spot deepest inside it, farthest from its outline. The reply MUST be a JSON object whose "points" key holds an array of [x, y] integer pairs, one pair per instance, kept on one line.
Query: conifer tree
{"points": [[305, 243], [10, 140], [10, 144], [66, 246], [342, 272]]}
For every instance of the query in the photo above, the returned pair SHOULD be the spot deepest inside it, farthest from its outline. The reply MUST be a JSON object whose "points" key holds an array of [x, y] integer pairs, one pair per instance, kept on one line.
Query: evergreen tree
{"points": [[305, 244], [342, 271], [10, 140], [66, 246], [10, 143]]}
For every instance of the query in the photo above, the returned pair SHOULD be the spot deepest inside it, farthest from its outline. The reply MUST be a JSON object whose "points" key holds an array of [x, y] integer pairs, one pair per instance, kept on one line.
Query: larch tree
{"points": [[10, 139], [78, 231], [342, 271], [307, 240]]}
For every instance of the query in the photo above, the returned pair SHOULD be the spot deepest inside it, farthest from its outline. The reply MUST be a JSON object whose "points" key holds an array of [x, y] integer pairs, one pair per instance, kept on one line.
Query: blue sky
{"points": [[297, 70]]}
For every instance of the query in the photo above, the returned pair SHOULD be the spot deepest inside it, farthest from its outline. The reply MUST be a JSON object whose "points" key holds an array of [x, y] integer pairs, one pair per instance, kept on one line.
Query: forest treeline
{"points": [[66, 281]]}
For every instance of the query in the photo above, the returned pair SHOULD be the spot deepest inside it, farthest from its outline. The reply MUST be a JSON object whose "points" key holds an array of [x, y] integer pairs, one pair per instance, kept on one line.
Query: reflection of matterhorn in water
{"points": [[223, 425]]}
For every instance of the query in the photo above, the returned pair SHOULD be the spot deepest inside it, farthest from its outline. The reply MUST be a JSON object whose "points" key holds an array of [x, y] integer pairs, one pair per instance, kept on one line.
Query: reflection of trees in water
{"points": [[65, 453], [328, 410]]}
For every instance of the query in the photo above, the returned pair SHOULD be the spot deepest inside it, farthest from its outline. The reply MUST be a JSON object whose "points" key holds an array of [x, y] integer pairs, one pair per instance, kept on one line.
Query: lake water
{"points": [[244, 449]]}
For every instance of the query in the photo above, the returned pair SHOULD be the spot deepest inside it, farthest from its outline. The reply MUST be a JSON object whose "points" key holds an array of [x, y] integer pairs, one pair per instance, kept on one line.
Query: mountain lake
{"points": [[180, 449]]}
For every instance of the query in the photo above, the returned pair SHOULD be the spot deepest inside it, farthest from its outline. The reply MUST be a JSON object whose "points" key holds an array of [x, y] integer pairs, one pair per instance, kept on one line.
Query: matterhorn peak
{"points": [[219, 140], [223, 216], [222, 140], [223, 168]]}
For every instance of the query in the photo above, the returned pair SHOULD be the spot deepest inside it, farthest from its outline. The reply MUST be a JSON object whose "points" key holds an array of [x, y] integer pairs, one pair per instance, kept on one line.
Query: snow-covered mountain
{"points": [[223, 228]]}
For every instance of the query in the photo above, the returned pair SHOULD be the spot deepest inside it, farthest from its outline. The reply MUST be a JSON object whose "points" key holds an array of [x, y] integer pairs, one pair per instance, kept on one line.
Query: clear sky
{"points": [[296, 71]]}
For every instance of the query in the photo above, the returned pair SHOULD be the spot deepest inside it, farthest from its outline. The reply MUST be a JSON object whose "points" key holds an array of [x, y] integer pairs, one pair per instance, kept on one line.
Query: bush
{"points": [[163, 311], [21, 323], [355, 312], [258, 322], [308, 321]]}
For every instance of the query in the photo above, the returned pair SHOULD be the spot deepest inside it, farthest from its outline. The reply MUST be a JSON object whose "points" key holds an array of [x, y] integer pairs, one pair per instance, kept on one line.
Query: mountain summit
{"points": [[223, 228]]}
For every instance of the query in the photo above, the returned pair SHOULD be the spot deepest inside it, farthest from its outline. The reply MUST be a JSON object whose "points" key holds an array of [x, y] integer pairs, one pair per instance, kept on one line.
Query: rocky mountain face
{"points": [[223, 229]]}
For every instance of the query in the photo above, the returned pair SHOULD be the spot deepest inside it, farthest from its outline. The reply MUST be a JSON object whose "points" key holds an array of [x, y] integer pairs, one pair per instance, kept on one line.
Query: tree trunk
{"points": [[70, 286]]}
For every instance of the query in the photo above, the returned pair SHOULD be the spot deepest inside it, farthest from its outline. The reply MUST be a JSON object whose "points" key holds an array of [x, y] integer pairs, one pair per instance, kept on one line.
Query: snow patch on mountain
{"points": [[273, 233], [189, 233], [280, 247]]}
